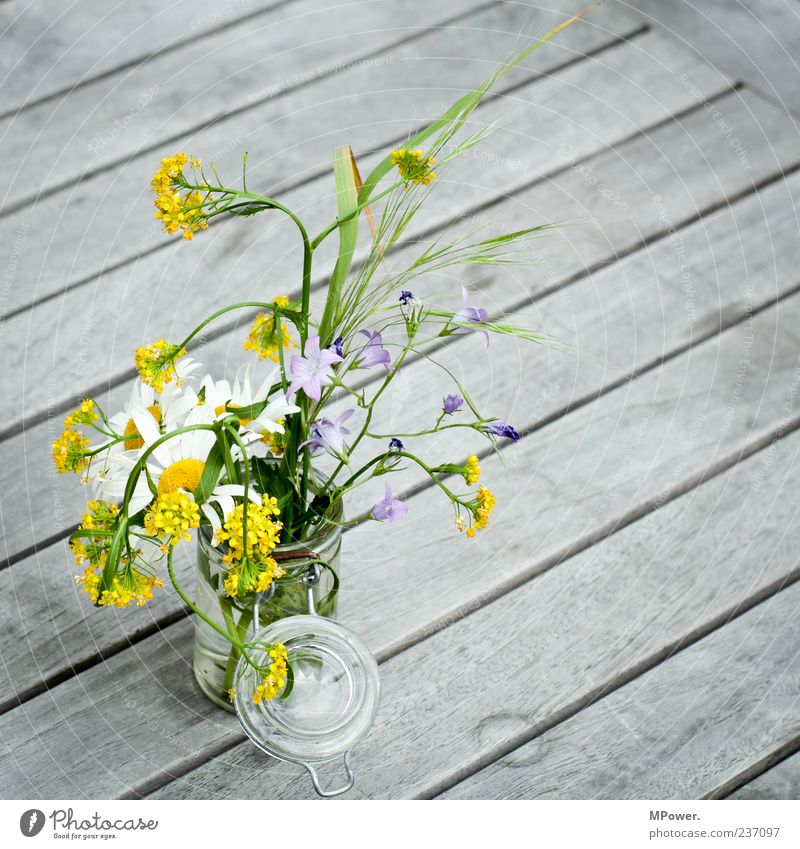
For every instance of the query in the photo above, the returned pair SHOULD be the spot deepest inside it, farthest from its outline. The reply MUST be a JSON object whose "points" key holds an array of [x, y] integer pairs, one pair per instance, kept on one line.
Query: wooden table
{"points": [[628, 625]]}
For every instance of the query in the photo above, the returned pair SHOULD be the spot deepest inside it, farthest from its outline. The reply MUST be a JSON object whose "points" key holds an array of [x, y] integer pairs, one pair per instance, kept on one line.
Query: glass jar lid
{"points": [[332, 703]]}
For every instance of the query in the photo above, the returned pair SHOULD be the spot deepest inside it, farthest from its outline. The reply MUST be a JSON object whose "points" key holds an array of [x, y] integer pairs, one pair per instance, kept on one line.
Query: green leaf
{"points": [[112, 561], [287, 690], [344, 173], [214, 463]]}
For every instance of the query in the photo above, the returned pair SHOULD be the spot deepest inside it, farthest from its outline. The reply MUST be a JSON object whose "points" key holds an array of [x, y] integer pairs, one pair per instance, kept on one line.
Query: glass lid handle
{"points": [[311, 579], [327, 794]]}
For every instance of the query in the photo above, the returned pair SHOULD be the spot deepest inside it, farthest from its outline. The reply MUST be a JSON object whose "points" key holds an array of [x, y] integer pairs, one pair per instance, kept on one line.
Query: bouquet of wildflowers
{"points": [[235, 457]]}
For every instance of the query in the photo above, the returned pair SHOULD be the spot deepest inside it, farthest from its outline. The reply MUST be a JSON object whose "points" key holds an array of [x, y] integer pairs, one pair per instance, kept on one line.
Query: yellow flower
{"points": [[486, 502], [481, 508], [156, 363], [69, 452], [263, 336], [171, 516], [176, 211], [128, 587], [472, 471], [275, 680], [413, 166], [84, 415], [256, 571]]}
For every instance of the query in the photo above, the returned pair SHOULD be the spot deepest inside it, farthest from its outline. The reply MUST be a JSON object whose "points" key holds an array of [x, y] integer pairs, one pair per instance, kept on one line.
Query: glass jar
{"points": [[215, 658]]}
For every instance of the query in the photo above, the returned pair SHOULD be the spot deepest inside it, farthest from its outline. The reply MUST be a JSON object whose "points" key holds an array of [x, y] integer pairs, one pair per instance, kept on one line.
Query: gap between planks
{"points": [[335, 69], [322, 173], [135, 63]]}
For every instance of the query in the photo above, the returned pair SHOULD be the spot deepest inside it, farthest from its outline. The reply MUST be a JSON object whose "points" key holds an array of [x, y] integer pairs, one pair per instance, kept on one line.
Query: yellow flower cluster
{"points": [[156, 363], [256, 571], [84, 415], [275, 680], [170, 517], [472, 471], [130, 587], [176, 211], [126, 588], [263, 336], [481, 509], [413, 166], [69, 450]]}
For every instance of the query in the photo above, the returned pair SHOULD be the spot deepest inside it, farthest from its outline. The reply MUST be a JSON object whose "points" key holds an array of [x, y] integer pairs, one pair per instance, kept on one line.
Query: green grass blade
{"points": [[347, 203], [458, 113]]}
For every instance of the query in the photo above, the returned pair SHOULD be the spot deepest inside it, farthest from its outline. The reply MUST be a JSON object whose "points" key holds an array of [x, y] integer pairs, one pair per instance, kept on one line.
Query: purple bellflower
{"points": [[330, 436], [396, 444], [469, 314], [312, 370], [452, 404], [389, 509], [502, 429], [336, 347], [373, 353]]}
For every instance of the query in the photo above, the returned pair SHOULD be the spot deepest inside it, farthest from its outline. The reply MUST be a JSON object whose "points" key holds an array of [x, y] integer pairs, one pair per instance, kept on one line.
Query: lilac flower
{"points": [[452, 404], [337, 346], [502, 429], [389, 509], [330, 436], [373, 353], [396, 444], [312, 370], [406, 297], [469, 314]]}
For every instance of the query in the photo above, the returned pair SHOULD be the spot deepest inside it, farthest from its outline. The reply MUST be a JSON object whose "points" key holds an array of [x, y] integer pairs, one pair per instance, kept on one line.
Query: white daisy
{"points": [[176, 464], [255, 432], [167, 409]]}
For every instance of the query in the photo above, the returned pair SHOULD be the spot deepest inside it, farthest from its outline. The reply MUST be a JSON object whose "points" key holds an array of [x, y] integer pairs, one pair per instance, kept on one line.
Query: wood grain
{"points": [[285, 145], [780, 782], [758, 42], [351, 65], [682, 729], [45, 54]]}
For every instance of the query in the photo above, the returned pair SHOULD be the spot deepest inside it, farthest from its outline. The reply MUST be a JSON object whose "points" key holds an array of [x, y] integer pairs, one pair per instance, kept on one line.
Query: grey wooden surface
{"points": [[627, 627]]}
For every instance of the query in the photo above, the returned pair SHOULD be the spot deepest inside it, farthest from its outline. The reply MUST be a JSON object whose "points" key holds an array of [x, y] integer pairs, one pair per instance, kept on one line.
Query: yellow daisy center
{"points": [[130, 428], [225, 408], [183, 474]]}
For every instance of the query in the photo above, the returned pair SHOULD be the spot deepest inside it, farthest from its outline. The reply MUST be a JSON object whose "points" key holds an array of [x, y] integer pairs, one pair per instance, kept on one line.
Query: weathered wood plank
{"points": [[309, 43], [682, 730], [561, 492], [609, 189], [780, 782], [609, 458], [46, 53], [757, 42], [157, 697], [363, 105], [178, 285]]}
